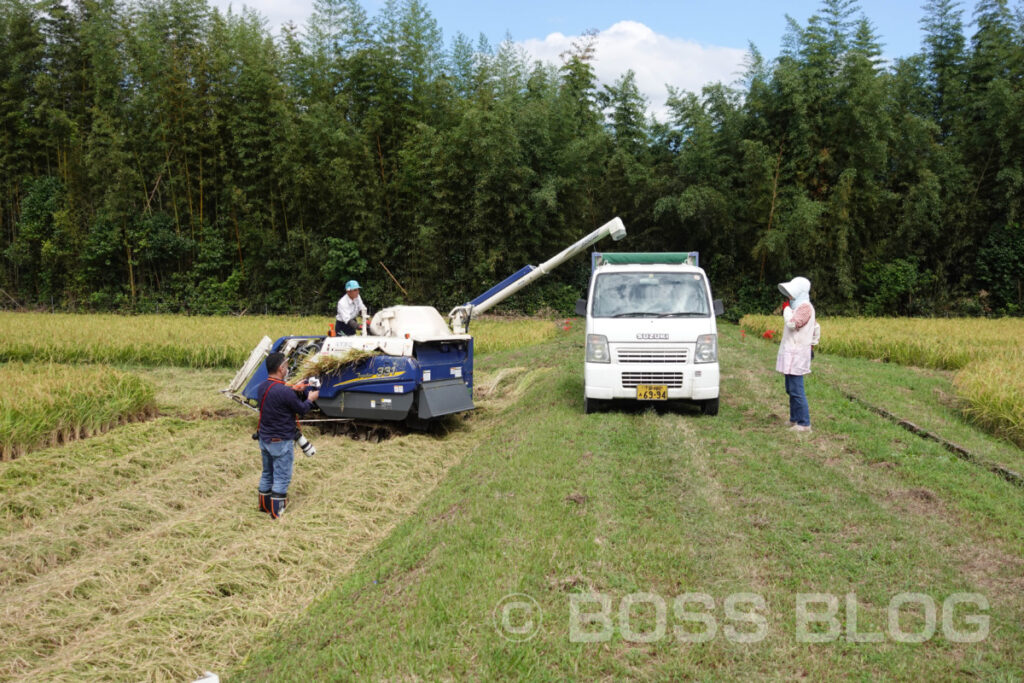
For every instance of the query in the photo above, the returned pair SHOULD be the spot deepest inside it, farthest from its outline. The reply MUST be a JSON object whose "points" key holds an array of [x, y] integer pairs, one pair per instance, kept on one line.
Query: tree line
{"points": [[163, 155]]}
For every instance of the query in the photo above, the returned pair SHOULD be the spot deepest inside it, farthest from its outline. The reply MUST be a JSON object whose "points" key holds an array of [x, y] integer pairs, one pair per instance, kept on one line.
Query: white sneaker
{"points": [[800, 428]]}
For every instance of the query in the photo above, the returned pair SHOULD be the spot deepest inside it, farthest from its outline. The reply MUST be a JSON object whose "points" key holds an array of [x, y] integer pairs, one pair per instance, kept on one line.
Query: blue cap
{"points": [[352, 284]]}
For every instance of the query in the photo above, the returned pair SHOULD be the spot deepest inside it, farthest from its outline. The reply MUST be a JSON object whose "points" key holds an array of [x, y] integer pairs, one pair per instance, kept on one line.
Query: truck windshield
{"points": [[650, 295]]}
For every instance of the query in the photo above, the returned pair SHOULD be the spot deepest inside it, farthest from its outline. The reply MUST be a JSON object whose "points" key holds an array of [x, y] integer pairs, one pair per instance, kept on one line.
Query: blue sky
{"points": [[727, 23], [685, 43]]}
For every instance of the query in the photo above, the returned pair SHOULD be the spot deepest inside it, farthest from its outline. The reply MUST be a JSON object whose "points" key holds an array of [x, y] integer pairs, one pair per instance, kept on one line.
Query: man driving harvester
{"points": [[278, 428], [350, 305]]}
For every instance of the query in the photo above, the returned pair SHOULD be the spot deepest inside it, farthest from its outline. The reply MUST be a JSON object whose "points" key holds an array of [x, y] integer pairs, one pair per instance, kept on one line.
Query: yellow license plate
{"points": [[652, 392]]}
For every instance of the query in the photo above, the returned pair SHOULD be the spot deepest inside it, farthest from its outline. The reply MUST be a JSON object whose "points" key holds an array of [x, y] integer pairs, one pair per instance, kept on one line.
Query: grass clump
{"points": [[46, 403]]}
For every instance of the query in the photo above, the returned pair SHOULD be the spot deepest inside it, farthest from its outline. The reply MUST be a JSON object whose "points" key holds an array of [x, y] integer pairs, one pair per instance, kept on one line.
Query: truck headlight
{"points": [[597, 349], [707, 349]]}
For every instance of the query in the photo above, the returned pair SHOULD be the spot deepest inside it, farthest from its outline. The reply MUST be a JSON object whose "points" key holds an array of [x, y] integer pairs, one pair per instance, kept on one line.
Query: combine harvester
{"points": [[411, 369]]}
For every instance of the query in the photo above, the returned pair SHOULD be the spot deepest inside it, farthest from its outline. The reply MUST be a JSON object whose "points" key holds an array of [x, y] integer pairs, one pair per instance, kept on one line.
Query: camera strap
{"points": [[270, 383]]}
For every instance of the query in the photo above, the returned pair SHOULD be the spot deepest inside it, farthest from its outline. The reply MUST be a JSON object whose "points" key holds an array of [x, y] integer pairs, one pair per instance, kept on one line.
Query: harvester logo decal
{"points": [[377, 375]]}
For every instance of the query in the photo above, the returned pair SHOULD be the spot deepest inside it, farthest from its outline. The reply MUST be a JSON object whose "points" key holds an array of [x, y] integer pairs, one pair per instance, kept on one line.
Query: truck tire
{"points": [[591, 405], [709, 407]]}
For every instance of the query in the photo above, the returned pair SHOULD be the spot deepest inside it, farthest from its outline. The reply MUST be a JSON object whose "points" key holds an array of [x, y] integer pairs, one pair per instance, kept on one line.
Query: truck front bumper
{"points": [[606, 381]]}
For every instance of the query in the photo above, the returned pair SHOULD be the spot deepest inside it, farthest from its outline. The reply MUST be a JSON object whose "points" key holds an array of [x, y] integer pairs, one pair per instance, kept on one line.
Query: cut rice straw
{"points": [[325, 364]]}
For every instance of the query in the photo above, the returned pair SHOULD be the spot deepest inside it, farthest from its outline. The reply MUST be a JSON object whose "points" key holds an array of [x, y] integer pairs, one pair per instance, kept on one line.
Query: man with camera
{"points": [[278, 429]]}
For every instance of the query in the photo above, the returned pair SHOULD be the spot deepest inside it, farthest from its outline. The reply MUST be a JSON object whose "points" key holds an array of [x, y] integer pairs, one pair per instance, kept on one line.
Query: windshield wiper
{"points": [[634, 314], [684, 314]]}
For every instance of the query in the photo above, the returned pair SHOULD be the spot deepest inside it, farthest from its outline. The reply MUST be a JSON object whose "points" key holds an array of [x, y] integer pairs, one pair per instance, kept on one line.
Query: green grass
{"points": [[548, 502], [928, 398]]}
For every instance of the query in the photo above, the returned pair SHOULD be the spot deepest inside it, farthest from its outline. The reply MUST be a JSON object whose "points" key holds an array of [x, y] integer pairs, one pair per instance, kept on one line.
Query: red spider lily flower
{"points": [[768, 334], [743, 333]]}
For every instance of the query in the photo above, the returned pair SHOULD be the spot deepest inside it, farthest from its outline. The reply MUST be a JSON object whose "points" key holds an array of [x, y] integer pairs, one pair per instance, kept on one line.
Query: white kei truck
{"points": [[651, 331]]}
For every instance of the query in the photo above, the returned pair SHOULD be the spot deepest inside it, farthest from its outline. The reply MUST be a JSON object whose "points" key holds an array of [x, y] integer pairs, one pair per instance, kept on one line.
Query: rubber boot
{"points": [[264, 505], [278, 502]]}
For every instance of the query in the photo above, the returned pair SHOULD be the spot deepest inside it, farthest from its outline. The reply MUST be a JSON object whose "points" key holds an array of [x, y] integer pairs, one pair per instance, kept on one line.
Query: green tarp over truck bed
{"points": [[673, 257]]}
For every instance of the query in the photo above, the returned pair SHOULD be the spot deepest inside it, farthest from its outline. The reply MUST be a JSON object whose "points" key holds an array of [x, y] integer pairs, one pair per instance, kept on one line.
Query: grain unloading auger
{"points": [[411, 367]]}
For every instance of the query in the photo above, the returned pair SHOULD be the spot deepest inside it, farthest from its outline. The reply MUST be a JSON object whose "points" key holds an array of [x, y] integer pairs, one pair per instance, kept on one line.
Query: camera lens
{"points": [[305, 445]]}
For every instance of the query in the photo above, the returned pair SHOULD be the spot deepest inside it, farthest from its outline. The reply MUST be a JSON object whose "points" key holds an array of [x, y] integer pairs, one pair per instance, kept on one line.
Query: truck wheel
{"points": [[591, 405], [709, 407]]}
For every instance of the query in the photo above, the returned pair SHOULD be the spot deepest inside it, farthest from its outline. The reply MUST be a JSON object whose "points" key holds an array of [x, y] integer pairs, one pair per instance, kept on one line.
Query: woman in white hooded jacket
{"points": [[794, 360]]}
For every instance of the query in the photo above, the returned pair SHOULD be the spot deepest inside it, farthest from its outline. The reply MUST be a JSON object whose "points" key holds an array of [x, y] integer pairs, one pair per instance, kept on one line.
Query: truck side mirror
{"points": [[581, 307], [719, 309]]}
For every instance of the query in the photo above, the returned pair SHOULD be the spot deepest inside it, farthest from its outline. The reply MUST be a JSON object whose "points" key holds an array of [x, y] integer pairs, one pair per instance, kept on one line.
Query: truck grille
{"points": [[649, 355], [673, 380]]}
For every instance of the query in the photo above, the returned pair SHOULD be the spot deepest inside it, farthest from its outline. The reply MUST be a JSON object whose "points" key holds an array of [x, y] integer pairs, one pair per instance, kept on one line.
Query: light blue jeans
{"points": [[799, 411], [278, 458]]}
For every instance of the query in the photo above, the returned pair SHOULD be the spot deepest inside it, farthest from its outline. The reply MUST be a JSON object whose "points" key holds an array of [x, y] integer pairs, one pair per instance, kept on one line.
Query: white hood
{"points": [[797, 290]]}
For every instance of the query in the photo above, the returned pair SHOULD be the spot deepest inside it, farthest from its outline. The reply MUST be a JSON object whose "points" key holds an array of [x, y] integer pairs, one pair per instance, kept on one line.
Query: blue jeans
{"points": [[278, 458], [799, 411]]}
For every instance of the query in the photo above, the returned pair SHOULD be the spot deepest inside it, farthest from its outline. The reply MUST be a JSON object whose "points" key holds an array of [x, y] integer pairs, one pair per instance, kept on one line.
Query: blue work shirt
{"points": [[279, 408]]}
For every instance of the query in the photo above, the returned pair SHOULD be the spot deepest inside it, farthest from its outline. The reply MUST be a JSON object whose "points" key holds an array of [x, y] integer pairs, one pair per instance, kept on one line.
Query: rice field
{"points": [[994, 393], [986, 354], [493, 333], [44, 404], [139, 554], [197, 341]]}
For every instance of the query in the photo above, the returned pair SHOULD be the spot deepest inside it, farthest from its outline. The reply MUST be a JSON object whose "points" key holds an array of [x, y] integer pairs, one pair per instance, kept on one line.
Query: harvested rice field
{"points": [[140, 555], [137, 553], [132, 546]]}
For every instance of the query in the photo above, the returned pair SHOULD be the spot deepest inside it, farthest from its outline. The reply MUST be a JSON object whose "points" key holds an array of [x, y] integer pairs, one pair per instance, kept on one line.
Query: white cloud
{"points": [[276, 13], [656, 59]]}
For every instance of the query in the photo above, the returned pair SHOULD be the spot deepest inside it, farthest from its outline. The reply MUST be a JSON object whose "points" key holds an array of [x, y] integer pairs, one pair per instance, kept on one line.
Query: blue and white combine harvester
{"points": [[422, 368]]}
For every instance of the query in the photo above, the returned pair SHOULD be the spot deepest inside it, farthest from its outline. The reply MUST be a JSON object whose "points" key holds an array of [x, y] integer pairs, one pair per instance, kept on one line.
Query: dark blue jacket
{"points": [[282, 404]]}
